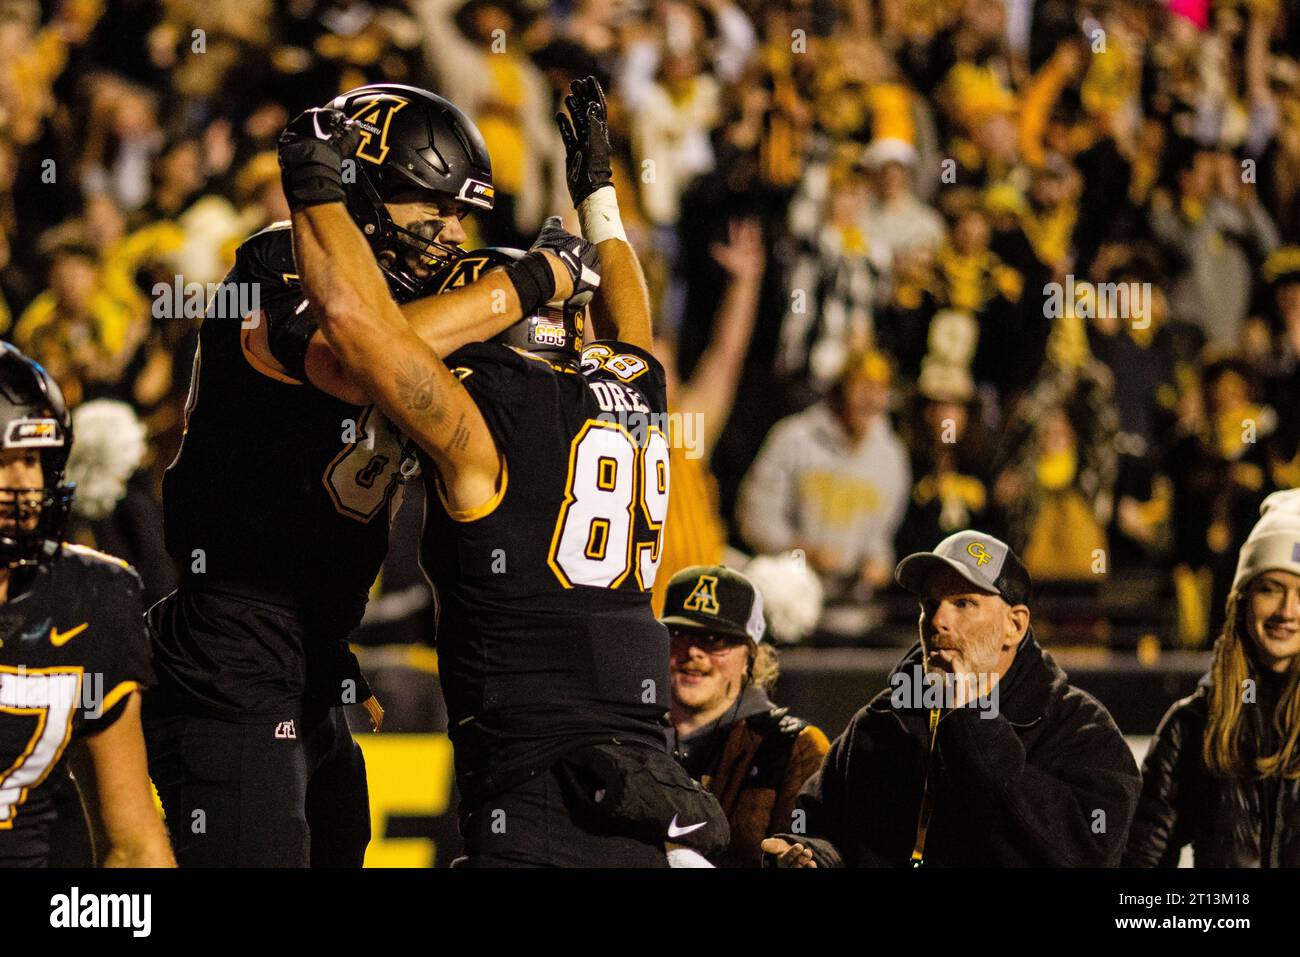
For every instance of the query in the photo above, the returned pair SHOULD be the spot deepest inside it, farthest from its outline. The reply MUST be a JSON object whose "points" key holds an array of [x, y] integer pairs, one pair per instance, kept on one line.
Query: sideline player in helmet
{"points": [[73, 651], [541, 537], [278, 504]]}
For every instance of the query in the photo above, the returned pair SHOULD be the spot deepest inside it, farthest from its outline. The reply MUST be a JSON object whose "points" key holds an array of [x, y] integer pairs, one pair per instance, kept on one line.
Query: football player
{"points": [[547, 480], [278, 503], [74, 655]]}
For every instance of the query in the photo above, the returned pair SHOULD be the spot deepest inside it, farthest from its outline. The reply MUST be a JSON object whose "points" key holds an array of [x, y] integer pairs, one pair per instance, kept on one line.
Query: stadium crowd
{"points": [[917, 265]]}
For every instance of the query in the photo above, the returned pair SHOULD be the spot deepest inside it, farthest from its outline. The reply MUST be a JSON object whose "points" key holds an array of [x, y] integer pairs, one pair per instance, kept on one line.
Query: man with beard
{"points": [[980, 754], [751, 754]]}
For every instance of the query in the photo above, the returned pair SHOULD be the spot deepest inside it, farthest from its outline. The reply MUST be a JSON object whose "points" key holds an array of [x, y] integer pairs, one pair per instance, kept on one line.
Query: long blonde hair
{"points": [[1234, 664], [764, 668]]}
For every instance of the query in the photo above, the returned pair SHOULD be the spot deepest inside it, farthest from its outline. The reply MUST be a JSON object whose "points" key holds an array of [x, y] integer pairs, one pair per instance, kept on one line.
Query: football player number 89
{"points": [[610, 478]]}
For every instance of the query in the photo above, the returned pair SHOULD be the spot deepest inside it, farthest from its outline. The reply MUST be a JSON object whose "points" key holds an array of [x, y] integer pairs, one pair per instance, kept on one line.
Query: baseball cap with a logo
{"points": [[715, 599], [986, 562]]}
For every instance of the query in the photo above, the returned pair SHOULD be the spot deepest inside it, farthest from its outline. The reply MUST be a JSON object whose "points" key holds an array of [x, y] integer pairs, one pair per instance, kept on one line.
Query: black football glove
{"points": [[586, 139], [533, 279], [578, 256], [312, 149]]}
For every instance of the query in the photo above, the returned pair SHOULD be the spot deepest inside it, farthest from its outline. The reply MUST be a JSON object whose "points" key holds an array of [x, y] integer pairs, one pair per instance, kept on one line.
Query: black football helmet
{"points": [[552, 332], [33, 416], [411, 139]]}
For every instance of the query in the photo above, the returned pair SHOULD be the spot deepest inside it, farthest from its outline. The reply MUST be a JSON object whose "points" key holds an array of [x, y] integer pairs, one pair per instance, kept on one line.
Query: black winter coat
{"points": [[1048, 782], [1223, 819]]}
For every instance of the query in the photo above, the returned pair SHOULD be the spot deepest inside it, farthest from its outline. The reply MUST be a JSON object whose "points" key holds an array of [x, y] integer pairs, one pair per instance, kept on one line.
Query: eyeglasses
{"points": [[706, 641]]}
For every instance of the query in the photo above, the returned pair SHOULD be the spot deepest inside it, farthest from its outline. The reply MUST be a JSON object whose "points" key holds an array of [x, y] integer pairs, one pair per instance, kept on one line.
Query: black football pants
{"points": [[276, 794], [539, 824]]}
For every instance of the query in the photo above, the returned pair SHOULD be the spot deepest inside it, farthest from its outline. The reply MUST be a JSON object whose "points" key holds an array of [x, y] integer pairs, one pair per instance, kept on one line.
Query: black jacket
{"points": [[1224, 820], [1048, 781]]}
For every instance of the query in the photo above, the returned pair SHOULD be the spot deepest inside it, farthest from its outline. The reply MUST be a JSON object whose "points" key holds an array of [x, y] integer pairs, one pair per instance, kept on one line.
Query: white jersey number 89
{"points": [[608, 473]]}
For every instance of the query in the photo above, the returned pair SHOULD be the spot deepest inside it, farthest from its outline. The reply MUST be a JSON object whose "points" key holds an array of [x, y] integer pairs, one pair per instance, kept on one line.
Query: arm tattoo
{"points": [[459, 440], [417, 390], [415, 386]]}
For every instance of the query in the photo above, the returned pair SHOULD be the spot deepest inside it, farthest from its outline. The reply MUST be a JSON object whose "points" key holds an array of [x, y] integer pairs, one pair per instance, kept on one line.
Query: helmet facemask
{"points": [[29, 517], [412, 139], [407, 256], [33, 420]]}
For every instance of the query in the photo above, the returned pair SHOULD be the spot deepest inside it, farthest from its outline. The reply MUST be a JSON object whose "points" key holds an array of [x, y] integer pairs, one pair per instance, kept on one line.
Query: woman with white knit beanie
{"points": [[1223, 771]]}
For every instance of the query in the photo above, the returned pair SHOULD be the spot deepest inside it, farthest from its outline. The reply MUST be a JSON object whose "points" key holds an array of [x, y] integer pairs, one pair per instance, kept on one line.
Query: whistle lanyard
{"points": [[927, 805]]}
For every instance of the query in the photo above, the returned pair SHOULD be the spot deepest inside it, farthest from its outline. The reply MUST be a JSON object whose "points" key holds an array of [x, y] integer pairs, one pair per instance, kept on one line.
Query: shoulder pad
{"points": [[270, 252], [92, 558]]}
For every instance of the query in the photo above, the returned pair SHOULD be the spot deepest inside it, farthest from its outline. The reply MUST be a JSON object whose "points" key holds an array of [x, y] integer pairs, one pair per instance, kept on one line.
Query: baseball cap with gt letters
{"points": [[984, 561]]}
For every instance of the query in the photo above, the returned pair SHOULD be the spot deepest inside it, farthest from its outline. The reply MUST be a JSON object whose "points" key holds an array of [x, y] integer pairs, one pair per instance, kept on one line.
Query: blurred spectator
{"points": [[1127, 333], [32, 57], [833, 280], [1219, 233], [673, 113], [122, 139], [949, 461], [895, 218], [1219, 467], [1057, 463], [972, 278], [1281, 365], [833, 481], [1051, 213], [86, 326]]}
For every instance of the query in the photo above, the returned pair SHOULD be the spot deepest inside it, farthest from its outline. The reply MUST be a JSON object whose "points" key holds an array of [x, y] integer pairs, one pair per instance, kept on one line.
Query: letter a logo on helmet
{"points": [[374, 118], [418, 140], [704, 596], [413, 142]]}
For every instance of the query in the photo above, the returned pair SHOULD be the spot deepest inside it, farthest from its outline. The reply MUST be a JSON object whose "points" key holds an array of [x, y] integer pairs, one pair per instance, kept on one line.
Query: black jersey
{"points": [[72, 647], [546, 636], [278, 484], [280, 492]]}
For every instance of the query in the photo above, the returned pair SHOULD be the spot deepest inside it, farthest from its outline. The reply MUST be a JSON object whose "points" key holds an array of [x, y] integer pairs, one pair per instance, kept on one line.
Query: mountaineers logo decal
{"points": [[704, 596], [374, 119]]}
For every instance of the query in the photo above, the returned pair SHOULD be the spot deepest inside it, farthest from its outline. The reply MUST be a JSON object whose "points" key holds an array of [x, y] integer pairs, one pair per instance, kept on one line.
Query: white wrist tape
{"points": [[599, 218]]}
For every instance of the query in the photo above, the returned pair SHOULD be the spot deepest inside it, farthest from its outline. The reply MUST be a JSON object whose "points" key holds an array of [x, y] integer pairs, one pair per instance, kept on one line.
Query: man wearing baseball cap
{"points": [[928, 773], [753, 756]]}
